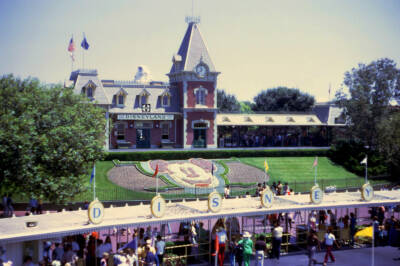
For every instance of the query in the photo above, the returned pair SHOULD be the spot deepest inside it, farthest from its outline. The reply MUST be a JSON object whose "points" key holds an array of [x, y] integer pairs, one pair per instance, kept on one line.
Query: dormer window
{"points": [[226, 119], [289, 119], [143, 99], [200, 94], [143, 96], [119, 97], [310, 119], [165, 99], [248, 119], [88, 89]]}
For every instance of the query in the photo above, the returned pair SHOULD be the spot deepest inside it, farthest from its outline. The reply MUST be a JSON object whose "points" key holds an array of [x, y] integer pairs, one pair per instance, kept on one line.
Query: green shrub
{"points": [[349, 154], [210, 154]]}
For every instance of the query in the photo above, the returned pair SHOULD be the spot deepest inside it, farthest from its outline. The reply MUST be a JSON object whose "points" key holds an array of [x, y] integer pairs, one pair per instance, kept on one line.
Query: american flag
{"points": [[71, 46]]}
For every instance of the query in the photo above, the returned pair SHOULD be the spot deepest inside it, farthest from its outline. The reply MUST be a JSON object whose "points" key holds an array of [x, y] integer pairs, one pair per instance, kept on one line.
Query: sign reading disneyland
{"points": [[180, 113]]}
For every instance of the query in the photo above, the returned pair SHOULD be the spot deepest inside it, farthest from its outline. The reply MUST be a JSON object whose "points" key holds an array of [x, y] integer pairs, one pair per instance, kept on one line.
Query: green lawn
{"points": [[106, 190], [299, 173]]}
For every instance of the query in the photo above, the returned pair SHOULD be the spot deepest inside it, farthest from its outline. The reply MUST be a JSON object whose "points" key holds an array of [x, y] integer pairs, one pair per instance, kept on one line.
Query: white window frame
{"points": [[200, 95]]}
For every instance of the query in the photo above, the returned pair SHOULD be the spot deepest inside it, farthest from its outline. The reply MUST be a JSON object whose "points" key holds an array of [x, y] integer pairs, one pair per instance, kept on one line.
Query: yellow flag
{"points": [[266, 166]]}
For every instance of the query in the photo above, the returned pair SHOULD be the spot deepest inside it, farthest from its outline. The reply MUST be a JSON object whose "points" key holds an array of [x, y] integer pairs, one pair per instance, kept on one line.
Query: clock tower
{"points": [[194, 75]]}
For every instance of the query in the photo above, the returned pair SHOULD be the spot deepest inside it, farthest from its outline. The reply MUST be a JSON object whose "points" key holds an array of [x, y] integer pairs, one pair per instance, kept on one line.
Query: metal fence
{"points": [[123, 194]]}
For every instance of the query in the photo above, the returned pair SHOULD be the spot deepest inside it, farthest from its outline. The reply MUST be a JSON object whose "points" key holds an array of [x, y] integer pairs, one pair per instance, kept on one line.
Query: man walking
{"points": [[329, 241]]}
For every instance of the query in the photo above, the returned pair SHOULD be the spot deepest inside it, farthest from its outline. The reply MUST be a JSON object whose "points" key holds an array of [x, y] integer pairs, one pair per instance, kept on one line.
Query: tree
{"points": [[49, 138], [283, 99], [371, 88], [372, 121], [227, 102], [246, 107]]}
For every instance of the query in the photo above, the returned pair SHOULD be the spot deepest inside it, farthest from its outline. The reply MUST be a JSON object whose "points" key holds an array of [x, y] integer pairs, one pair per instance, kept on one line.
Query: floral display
{"points": [[195, 172]]}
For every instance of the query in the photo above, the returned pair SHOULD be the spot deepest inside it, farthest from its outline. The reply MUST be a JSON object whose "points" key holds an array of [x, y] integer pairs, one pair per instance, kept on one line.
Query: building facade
{"points": [[151, 114], [182, 113]]}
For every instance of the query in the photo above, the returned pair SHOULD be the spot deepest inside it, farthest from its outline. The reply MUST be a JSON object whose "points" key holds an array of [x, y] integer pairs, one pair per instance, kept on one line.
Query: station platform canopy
{"points": [[267, 120], [55, 225]]}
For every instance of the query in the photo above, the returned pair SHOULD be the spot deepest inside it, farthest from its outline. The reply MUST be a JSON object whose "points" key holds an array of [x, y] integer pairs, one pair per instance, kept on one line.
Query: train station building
{"points": [[183, 113]]}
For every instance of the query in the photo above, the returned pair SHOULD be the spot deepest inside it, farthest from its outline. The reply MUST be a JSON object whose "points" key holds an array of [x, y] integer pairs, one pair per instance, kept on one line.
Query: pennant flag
{"points": [[133, 245], [84, 43], [315, 162], [71, 46], [364, 161], [266, 165], [156, 171], [93, 173]]}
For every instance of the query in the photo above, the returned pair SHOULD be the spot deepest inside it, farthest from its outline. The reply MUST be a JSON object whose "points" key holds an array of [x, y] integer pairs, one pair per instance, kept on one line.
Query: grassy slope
{"points": [[299, 168], [106, 190], [298, 172]]}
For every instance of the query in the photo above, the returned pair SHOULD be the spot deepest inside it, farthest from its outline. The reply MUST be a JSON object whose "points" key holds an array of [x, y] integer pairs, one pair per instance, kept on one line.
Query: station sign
{"points": [[145, 117], [158, 206], [214, 202], [367, 192], [267, 197], [96, 212], [316, 194]]}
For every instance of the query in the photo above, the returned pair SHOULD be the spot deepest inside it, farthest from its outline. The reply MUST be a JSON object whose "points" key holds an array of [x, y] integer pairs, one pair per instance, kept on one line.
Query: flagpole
{"points": [[373, 244], [83, 59], [315, 175], [156, 185], [366, 169], [94, 182]]}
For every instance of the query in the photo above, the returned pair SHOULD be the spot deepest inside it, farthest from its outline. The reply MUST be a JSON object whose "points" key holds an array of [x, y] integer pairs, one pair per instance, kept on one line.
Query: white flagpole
{"points": [[315, 172], [94, 182], [156, 185], [373, 244], [366, 169]]}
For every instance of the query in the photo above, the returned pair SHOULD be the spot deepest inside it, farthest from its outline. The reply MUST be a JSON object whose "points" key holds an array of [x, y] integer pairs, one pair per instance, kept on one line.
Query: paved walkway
{"points": [[384, 256]]}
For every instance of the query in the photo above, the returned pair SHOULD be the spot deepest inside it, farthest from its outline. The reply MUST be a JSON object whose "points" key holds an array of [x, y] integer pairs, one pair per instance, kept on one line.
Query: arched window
{"points": [[200, 94]]}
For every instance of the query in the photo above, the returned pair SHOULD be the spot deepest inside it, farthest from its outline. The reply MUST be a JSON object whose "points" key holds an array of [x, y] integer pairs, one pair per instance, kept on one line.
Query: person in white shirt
{"points": [[160, 247], [132, 258], [227, 192], [277, 240], [329, 241]]}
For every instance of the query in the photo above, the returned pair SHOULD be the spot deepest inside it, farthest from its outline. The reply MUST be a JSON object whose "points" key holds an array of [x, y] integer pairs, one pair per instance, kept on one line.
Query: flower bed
{"points": [[192, 173]]}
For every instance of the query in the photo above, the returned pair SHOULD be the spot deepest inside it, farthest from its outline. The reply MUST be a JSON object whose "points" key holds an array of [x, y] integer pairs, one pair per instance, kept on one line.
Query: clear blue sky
{"points": [[255, 44]]}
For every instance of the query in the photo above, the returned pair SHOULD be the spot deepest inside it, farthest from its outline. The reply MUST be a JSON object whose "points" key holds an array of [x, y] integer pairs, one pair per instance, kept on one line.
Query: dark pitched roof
{"points": [[192, 50], [322, 112]]}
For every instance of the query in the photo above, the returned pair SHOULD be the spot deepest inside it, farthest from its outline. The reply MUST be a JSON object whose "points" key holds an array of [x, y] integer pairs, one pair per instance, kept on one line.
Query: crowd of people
{"points": [[147, 247], [259, 139]]}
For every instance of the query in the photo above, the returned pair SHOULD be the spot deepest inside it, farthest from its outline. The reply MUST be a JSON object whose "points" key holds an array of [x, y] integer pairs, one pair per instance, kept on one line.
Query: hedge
{"points": [[210, 154]]}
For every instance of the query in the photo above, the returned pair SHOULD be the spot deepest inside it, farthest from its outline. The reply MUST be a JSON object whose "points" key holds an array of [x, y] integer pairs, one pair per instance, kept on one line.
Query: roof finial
{"points": [[192, 19]]}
